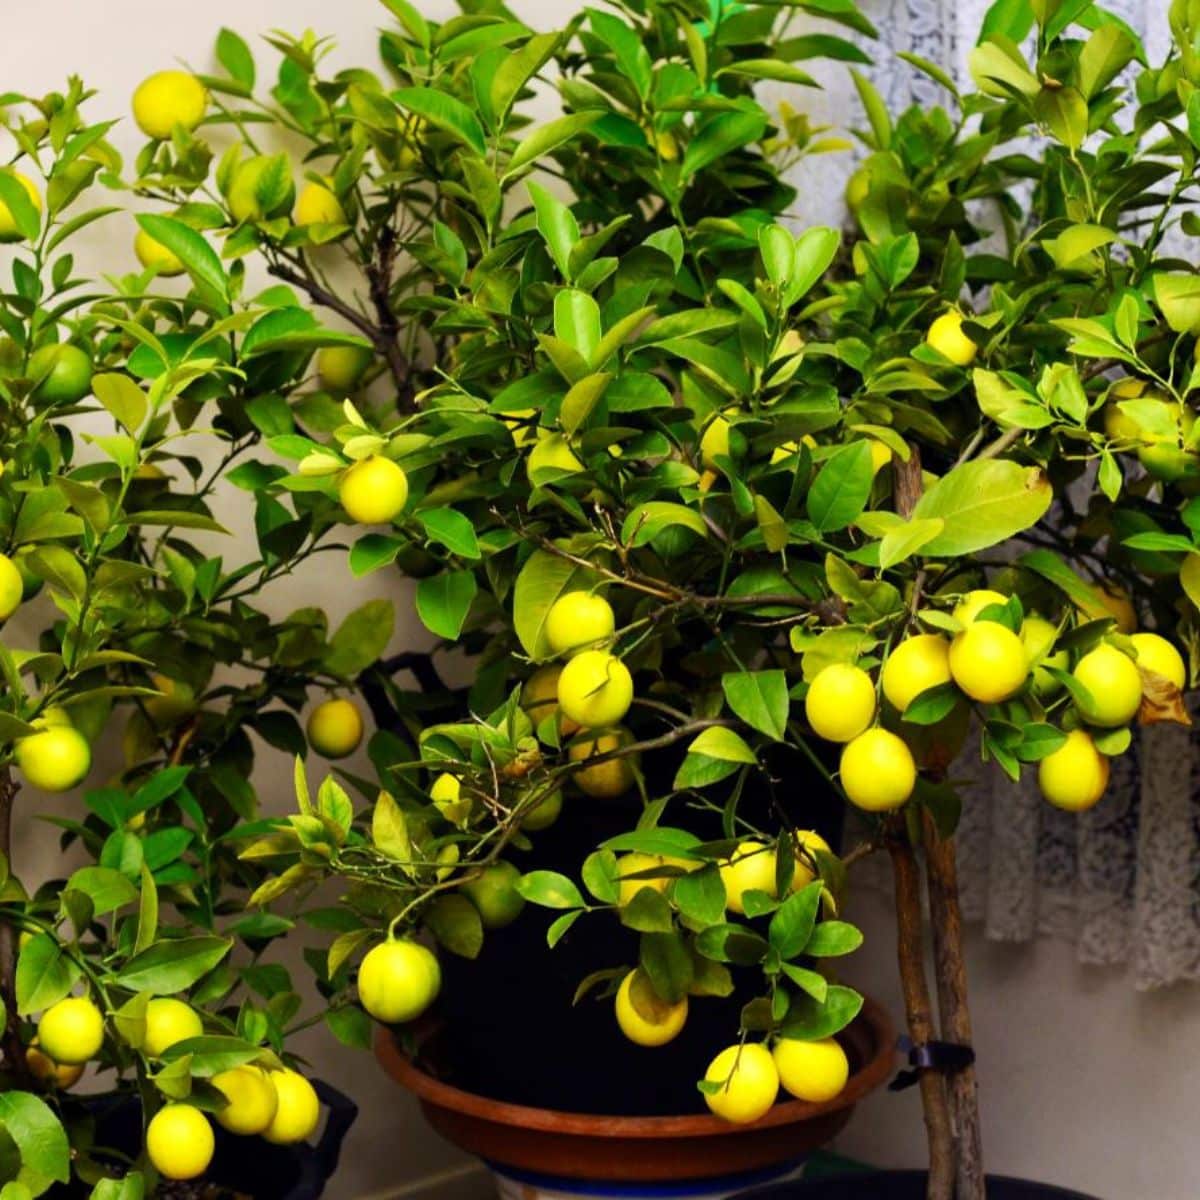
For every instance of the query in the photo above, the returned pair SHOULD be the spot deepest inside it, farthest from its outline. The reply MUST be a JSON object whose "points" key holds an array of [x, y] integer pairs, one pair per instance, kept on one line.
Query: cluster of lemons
{"points": [[373, 490], [989, 664], [749, 1075], [280, 1106]]}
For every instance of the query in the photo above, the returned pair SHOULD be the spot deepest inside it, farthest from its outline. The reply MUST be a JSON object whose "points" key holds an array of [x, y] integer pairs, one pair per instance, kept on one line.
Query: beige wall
{"points": [[1085, 1082]]}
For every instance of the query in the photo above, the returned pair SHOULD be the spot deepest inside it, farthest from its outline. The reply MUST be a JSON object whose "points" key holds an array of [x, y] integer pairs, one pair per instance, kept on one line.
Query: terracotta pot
{"points": [[642, 1149]]}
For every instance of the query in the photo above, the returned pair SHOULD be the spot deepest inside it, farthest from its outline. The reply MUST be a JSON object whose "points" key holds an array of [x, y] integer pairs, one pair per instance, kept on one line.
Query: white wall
{"points": [[1085, 1083]]}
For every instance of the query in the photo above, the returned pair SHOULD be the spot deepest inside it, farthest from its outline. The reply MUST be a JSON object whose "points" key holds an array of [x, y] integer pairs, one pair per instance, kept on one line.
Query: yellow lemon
{"points": [[840, 703], [54, 759], [988, 662], [297, 1110], [750, 867], [8, 227], [607, 779], [749, 1083], [645, 1018], [71, 1031], [1038, 637], [1111, 603], [12, 587], [154, 254], [49, 1073], [180, 1142], [577, 620], [947, 338], [973, 603], [916, 665], [1156, 654], [595, 689], [261, 189], [494, 893], [1114, 685], [714, 442], [252, 1099], [167, 99], [169, 1021], [1118, 425], [881, 455], [877, 771], [634, 863], [398, 981], [178, 700], [335, 728], [317, 205], [813, 1071], [1075, 775], [806, 840], [340, 368], [373, 491], [539, 698]]}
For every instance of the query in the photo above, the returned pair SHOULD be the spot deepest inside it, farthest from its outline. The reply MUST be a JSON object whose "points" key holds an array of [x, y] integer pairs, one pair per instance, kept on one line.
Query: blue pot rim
{"points": [[691, 1187]]}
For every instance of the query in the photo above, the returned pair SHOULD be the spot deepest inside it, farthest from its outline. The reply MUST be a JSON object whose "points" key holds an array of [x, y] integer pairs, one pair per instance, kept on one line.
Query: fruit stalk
{"points": [[941, 871], [910, 947], [14, 1051]]}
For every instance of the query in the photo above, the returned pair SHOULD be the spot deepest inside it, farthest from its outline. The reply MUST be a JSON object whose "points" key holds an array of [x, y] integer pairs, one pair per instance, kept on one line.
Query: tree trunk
{"points": [[910, 945], [14, 1051], [951, 970]]}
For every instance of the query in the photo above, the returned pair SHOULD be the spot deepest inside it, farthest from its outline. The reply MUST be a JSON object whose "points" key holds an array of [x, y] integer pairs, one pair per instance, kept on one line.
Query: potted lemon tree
{"points": [[130, 405], [705, 502]]}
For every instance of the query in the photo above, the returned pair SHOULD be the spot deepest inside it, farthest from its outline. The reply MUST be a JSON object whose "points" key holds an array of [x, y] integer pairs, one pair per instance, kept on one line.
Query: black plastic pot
{"points": [[899, 1185], [245, 1165]]}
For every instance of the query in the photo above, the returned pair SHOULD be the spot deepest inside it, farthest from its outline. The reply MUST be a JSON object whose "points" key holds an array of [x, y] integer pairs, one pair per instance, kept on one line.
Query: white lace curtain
{"points": [[1122, 881]]}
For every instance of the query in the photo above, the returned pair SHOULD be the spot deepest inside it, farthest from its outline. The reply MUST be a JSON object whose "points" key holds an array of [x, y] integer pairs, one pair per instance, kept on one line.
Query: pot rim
{"points": [[443, 1095]]}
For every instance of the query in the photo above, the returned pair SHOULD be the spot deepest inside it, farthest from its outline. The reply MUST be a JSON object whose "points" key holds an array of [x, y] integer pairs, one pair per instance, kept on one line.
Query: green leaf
{"points": [[456, 924], [905, 540], [389, 829], [700, 895], [351, 1026], [122, 397], [732, 943], [648, 911], [550, 890], [833, 938], [39, 1135], [808, 1021], [541, 141], [1065, 113], [720, 137], [842, 486], [515, 71], [45, 974], [983, 503], [724, 744], [577, 322], [626, 43], [876, 110], [107, 889], [815, 251], [602, 876], [200, 259], [760, 698], [1104, 56], [792, 923], [443, 602], [173, 965], [665, 959], [646, 521], [234, 55], [447, 113], [147, 928], [558, 927], [557, 225], [361, 638], [451, 529], [1178, 296]]}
